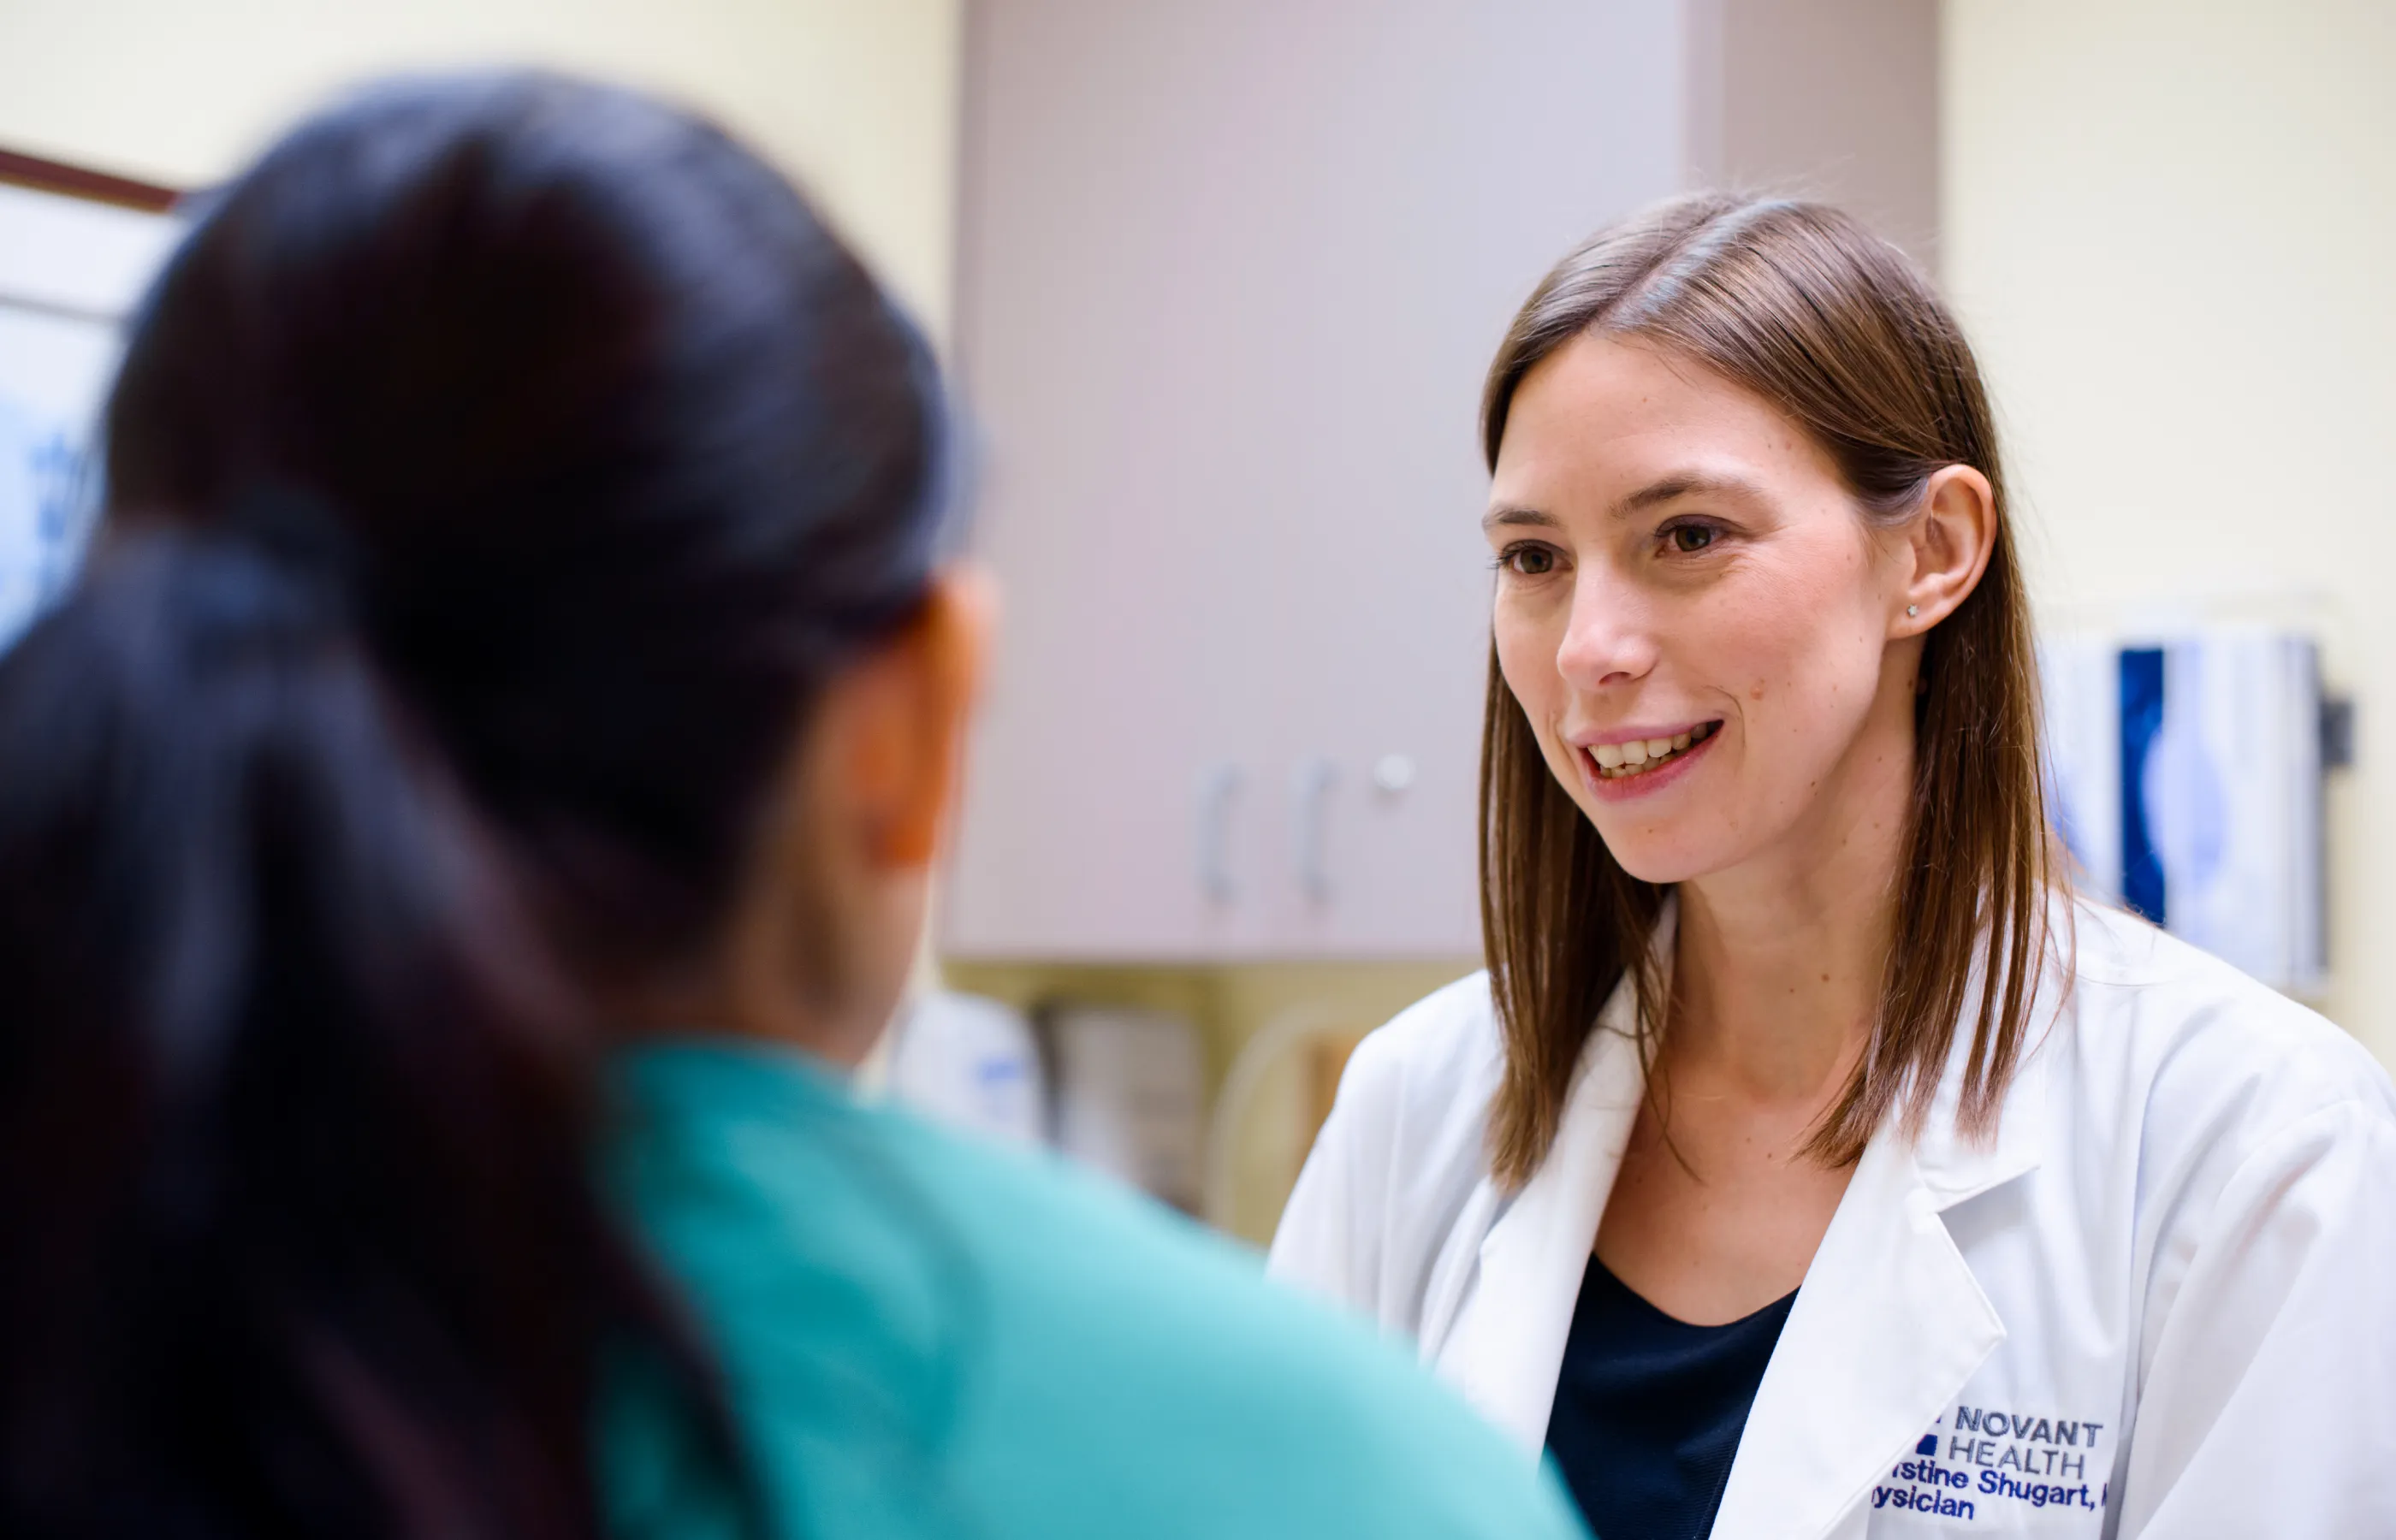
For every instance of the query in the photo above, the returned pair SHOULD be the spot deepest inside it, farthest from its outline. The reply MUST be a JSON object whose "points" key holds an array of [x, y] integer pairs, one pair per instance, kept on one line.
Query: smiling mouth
{"points": [[1622, 761]]}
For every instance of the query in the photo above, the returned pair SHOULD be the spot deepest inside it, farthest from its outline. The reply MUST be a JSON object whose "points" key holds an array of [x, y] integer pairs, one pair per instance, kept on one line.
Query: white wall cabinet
{"points": [[1230, 276]]}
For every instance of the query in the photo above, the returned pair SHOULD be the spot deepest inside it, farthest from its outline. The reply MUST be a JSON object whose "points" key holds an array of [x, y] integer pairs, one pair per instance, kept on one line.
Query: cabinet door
{"points": [[1231, 275], [1469, 149]]}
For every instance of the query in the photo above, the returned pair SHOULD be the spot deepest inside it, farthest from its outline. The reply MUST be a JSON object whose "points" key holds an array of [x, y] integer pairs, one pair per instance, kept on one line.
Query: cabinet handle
{"points": [[1218, 784], [1310, 788]]}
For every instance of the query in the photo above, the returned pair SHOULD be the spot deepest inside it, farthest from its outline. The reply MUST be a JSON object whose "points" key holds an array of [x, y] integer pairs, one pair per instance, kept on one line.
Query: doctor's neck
{"points": [[1780, 960]]}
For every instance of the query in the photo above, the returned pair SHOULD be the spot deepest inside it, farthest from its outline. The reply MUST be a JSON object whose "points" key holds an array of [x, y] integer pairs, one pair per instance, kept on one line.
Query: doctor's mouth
{"points": [[1638, 761]]}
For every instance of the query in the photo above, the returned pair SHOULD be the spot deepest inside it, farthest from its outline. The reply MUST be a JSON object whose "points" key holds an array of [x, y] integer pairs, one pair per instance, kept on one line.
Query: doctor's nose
{"points": [[1607, 640]]}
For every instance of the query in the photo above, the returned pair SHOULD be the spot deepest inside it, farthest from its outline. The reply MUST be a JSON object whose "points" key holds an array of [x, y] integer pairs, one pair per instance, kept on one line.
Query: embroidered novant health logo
{"points": [[1991, 1456]]}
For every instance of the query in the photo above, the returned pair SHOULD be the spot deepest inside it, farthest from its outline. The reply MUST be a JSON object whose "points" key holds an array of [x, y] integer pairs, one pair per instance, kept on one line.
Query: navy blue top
{"points": [[1649, 1409]]}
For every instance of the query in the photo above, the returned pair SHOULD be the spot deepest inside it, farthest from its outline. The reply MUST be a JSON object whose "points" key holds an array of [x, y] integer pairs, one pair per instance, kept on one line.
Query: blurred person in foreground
{"points": [[475, 806]]}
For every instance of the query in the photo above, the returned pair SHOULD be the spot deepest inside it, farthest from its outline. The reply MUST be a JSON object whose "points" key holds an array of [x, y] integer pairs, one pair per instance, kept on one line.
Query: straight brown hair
{"points": [[1802, 306]]}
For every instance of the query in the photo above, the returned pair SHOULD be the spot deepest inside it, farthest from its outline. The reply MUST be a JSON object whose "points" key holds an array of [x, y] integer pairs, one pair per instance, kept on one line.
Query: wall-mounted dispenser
{"points": [[2186, 771]]}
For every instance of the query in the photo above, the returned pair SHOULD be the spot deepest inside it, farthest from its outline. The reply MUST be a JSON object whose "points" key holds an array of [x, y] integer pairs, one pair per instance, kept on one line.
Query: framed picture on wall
{"points": [[77, 249]]}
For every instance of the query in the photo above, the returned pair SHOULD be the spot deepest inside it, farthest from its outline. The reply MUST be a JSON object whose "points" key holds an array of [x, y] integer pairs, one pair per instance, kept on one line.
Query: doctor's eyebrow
{"points": [[1681, 484], [1506, 516], [1688, 484]]}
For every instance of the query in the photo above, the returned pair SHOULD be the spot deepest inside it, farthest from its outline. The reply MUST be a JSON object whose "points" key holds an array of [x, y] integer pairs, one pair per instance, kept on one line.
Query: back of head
{"points": [[494, 476]]}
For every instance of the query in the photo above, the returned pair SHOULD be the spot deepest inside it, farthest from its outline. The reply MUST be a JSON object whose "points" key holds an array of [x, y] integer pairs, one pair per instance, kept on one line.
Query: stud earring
{"points": [[1914, 609]]}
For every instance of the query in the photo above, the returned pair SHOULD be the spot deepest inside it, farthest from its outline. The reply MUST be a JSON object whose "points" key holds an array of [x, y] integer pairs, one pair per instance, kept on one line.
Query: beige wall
{"points": [[857, 98], [2167, 226]]}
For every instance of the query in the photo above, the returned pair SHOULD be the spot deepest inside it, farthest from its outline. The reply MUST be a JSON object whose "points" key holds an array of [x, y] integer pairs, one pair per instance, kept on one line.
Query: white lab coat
{"points": [[2160, 1303]]}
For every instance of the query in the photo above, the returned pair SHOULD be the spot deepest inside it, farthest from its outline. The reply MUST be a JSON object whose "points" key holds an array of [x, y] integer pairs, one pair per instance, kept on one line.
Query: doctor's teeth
{"points": [[1637, 756]]}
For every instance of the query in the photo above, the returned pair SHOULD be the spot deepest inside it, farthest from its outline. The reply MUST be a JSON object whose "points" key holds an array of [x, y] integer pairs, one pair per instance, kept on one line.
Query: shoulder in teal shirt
{"points": [[924, 1336]]}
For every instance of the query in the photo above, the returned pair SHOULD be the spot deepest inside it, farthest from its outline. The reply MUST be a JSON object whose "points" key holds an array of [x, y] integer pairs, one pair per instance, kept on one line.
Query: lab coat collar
{"points": [[1890, 1322], [1889, 1325], [1955, 1166], [1505, 1347]]}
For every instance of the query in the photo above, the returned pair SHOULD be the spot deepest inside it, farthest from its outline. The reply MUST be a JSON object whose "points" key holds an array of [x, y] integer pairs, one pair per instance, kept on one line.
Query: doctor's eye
{"points": [[1687, 538], [1527, 558]]}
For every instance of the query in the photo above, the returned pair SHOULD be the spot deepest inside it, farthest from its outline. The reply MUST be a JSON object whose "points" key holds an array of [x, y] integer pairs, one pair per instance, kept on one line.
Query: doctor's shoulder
{"points": [[1421, 1081], [1400, 1158], [2247, 1148], [2209, 1058]]}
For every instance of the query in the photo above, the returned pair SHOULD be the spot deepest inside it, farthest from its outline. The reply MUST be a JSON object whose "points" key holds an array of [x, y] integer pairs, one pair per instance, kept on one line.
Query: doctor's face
{"points": [[1691, 610]]}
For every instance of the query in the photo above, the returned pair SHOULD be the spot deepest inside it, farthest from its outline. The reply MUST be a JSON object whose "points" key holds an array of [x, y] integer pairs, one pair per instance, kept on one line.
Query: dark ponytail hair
{"points": [[495, 476]]}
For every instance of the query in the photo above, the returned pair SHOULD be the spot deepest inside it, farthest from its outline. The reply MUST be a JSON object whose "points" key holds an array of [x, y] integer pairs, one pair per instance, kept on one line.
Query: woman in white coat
{"points": [[1808, 1162]]}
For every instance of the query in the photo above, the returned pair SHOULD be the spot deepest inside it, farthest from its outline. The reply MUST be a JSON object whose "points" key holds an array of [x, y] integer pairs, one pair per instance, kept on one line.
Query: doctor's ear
{"points": [[1947, 544]]}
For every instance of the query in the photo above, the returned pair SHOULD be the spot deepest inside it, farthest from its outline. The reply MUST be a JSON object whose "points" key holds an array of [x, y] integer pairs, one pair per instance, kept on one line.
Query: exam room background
{"points": [[2164, 224]]}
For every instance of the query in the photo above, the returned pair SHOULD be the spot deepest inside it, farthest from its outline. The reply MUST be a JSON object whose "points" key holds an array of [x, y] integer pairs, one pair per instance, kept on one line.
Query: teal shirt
{"points": [[925, 1337]]}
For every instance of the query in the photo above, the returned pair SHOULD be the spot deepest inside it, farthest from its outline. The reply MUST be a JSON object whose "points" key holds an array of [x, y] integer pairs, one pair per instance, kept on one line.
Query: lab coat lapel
{"points": [[1507, 1344], [1889, 1325]]}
